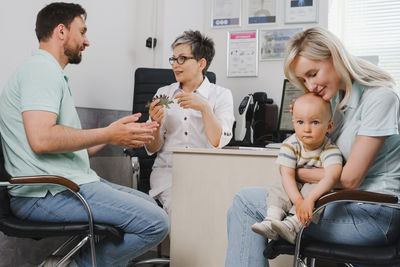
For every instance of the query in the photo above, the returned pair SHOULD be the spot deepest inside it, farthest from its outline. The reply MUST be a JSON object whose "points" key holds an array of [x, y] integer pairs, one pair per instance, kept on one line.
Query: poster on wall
{"points": [[242, 53], [261, 11], [273, 42], [301, 11], [226, 13]]}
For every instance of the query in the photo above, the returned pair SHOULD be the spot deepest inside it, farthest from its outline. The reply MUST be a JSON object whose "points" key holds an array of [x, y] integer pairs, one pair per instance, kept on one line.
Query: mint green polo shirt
{"points": [[372, 112], [40, 83]]}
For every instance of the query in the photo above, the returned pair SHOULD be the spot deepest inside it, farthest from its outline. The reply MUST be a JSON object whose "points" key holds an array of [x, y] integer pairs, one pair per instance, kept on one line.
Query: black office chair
{"points": [[147, 82], [306, 250], [80, 233]]}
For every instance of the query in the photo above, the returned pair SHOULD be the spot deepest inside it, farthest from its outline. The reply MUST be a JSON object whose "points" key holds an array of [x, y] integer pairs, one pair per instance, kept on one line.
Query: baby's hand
{"points": [[304, 210]]}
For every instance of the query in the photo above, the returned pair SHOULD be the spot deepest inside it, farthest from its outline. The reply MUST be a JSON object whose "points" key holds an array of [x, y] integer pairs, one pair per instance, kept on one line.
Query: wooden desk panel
{"points": [[204, 184]]}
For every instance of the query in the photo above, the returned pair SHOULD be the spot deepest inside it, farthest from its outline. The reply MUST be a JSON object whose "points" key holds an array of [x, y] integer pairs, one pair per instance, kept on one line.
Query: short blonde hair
{"points": [[319, 44]]}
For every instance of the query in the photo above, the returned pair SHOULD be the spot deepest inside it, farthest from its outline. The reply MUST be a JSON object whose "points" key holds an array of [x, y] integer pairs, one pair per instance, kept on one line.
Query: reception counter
{"points": [[204, 184]]}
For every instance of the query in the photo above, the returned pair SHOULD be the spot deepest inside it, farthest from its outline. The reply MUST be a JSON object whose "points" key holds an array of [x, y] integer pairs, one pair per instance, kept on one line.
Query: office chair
{"points": [[306, 248], [85, 232], [147, 82]]}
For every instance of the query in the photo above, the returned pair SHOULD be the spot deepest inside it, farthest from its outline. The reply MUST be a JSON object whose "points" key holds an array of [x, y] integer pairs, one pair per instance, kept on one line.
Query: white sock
{"points": [[295, 222], [276, 213]]}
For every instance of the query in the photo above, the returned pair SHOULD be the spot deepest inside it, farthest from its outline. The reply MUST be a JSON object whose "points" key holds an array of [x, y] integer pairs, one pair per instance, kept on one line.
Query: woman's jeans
{"points": [[137, 214], [341, 223]]}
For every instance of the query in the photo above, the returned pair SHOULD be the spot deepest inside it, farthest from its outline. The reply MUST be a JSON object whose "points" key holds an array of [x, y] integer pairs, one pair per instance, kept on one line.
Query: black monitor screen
{"points": [[289, 92]]}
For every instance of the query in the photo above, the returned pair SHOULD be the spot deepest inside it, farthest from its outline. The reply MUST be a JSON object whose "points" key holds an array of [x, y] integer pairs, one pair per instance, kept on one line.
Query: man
{"points": [[41, 134]]}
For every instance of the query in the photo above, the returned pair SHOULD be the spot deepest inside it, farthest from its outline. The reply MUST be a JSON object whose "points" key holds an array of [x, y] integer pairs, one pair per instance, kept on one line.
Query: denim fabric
{"points": [[144, 223], [245, 248], [342, 223], [356, 224]]}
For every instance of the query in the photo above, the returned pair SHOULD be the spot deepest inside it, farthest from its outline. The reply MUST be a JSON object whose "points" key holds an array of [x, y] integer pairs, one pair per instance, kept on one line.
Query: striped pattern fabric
{"points": [[293, 155]]}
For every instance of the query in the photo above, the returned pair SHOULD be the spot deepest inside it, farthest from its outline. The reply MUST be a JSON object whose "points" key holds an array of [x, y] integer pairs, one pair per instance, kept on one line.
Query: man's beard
{"points": [[74, 56]]}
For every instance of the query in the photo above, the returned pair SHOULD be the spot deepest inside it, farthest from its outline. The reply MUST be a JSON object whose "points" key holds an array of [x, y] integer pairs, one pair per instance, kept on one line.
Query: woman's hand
{"points": [[156, 112], [304, 211], [191, 100], [212, 125]]}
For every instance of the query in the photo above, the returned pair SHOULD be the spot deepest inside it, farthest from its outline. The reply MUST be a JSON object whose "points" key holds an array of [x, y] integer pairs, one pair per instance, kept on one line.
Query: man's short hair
{"points": [[54, 14], [202, 46]]}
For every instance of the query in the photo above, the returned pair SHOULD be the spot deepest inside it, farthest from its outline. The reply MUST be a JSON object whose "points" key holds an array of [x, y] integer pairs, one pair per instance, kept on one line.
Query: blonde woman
{"points": [[365, 103]]}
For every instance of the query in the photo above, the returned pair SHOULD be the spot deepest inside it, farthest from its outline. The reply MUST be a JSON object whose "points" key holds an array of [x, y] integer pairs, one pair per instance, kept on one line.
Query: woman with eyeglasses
{"points": [[200, 115]]}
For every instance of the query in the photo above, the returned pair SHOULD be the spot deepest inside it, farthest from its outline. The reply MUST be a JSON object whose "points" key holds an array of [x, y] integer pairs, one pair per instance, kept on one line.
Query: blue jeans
{"points": [[342, 223], [137, 214]]}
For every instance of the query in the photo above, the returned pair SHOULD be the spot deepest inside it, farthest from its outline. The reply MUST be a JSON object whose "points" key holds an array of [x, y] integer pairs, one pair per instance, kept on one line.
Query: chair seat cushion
{"points": [[277, 247], [384, 255], [12, 226]]}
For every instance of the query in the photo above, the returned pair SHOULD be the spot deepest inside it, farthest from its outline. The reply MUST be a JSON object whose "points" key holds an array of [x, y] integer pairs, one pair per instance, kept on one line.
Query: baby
{"points": [[308, 147]]}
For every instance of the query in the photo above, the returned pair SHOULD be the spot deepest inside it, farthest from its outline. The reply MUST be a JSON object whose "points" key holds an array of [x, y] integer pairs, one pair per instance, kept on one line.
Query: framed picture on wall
{"points": [[273, 42], [301, 11], [242, 54], [226, 13], [261, 11]]}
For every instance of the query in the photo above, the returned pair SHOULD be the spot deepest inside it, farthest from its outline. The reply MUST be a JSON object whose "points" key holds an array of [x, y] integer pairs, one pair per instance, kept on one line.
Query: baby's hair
{"points": [[318, 99]]}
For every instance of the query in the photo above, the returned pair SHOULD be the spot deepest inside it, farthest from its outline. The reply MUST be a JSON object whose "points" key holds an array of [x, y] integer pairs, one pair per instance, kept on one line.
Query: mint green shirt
{"points": [[372, 112], [40, 84]]}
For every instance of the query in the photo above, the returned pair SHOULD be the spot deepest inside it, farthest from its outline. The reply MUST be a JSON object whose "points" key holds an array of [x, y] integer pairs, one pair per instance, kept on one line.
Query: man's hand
{"points": [[46, 136], [127, 132], [191, 100], [156, 112], [304, 210]]}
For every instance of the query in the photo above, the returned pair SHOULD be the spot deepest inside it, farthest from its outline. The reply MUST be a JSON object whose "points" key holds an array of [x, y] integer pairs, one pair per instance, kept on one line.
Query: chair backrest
{"points": [[5, 210], [147, 82]]}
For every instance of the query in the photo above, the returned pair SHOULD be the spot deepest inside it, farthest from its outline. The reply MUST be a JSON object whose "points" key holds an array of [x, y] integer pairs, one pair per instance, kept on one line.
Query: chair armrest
{"points": [[343, 196], [355, 195], [47, 179], [73, 187]]}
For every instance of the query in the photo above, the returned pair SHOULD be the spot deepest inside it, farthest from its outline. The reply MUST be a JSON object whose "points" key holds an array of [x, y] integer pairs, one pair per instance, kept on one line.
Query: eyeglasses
{"points": [[180, 60]]}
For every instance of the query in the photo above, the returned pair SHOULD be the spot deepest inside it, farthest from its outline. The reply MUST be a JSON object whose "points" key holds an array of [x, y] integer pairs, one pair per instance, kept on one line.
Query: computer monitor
{"points": [[289, 92]]}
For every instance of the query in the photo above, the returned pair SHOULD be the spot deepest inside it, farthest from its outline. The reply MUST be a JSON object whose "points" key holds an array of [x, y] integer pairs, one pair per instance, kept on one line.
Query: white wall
{"points": [[117, 31], [164, 20], [104, 78], [17, 31], [270, 73], [175, 16]]}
